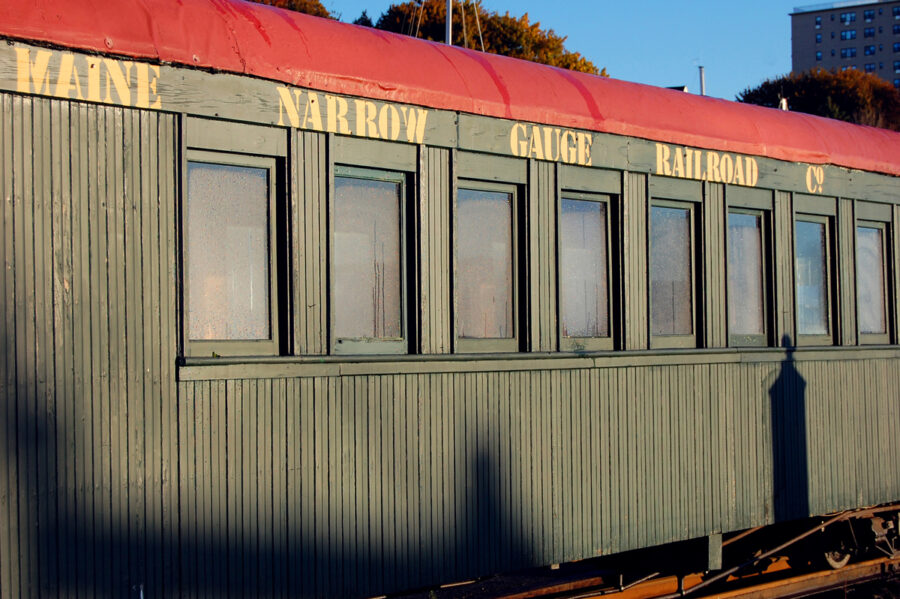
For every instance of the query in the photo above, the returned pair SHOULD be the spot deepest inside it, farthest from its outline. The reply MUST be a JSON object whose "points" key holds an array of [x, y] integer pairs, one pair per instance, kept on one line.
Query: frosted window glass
{"points": [[484, 272], [367, 264], [812, 278], [870, 280], [227, 251], [583, 276], [670, 271], [746, 292]]}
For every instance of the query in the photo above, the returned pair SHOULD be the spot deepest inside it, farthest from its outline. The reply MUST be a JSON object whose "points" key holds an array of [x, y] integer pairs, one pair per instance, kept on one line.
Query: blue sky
{"points": [[659, 42]]}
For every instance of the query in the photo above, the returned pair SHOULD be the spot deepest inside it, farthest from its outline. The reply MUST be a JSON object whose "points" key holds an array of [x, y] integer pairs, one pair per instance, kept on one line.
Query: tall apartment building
{"points": [[853, 34]]}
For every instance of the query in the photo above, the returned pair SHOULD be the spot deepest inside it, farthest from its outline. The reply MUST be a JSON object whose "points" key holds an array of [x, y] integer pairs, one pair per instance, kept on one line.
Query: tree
{"points": [[310, 7], [849, 95], [364, 19], [474, 27]]}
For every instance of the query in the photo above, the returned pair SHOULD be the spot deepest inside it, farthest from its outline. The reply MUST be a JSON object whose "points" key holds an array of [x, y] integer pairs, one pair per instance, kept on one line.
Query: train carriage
{"points": [[298, 308]]}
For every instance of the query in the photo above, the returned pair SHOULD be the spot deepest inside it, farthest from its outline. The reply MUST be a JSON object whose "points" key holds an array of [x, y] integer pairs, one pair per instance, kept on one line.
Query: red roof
{"points": [[242, 37]]}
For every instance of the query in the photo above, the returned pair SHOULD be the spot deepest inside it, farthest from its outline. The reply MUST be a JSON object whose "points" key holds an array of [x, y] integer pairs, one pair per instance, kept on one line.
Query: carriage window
{"points": [[229, 274], [746, 278], [812, 272], [485, 272], [871, 288], [671, 275], [584, 272], [369, 305]]}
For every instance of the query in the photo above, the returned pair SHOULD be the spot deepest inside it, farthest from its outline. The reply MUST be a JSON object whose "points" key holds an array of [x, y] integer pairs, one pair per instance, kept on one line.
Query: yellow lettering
{"points": [[688, 163], [712, 167], [663, 153], [67, 73], [567, 147], [32, 75], [752, 171], [389, 122], [93, 78], [415, 123], [551, 143], [535, 147], [678, 163], [286, 104], [738, 171], [365, 118], [726, 168], [584, 148], [121, 81], [517, 145], [312, 116], [337, 108], [698, 164], [146, 85]]}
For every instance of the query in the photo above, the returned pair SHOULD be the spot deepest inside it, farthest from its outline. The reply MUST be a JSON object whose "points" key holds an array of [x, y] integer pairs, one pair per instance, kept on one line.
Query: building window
{"points": [[871, 282], [848, 17], [672, 289], [896, 29], [486, 297], [819, 55], [812, 272], [869, 32], [897, 47], [832, 51], [870, 67], [818, 22], [849, 34], [868, 15], [369, 305], [584, 272], [869, 50], [230, 274], [747, 293], [897, 83], [848, 52], [896, 11], [818, 38], [897, 66]]}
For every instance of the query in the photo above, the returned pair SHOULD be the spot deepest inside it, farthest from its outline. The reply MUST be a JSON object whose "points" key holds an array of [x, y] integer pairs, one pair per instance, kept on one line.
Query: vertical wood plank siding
{"points": [[434, 250], [346, 485], [634, 251], [784, 268], [845, 262], [714, 227], [895, 236], [310, 243], [392, 481], [88, 489], [541, 250]]}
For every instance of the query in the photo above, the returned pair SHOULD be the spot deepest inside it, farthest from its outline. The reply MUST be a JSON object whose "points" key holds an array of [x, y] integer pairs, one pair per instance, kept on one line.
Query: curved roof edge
{"points": [[242, 37]]}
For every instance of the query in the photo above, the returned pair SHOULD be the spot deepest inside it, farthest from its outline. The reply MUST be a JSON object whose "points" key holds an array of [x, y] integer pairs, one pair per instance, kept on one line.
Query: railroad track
{"points": [[777, 580]]}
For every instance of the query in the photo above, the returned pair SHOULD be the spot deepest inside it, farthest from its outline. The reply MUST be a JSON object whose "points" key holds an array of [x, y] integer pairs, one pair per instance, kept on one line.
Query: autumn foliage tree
{"points": [[849, 95], [476, 28]]}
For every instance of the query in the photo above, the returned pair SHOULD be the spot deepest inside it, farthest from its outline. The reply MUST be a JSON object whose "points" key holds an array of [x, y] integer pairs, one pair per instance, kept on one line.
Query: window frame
{"points": [[831, 294], [764, 212], [873, 219], [237, 347], [676, 341], [367, 345], [473, 345], [574, 344]]}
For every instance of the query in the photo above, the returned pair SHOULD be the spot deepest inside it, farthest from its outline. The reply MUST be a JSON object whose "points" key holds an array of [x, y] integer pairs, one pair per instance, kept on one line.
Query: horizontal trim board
{"points": [[233, 97], [224, 369]]}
